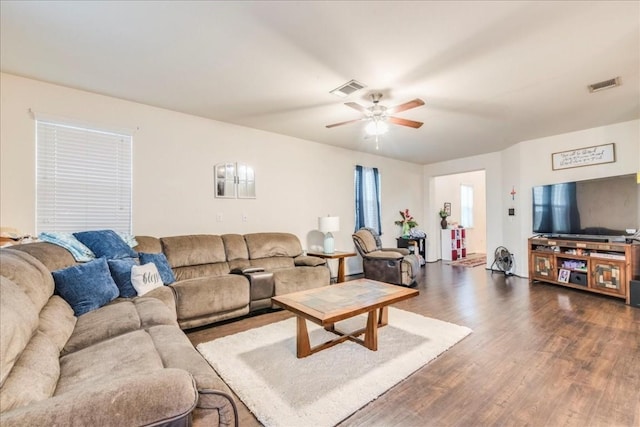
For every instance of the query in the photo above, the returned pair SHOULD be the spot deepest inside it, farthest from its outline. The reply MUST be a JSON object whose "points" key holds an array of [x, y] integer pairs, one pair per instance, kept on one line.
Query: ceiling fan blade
{"points": [[404, 122], [344, 123], [357, 106], [406, 106]]}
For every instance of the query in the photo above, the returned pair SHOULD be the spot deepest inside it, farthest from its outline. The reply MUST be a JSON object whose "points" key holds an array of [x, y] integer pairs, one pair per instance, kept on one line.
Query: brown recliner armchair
{"points": [[392, 265]]}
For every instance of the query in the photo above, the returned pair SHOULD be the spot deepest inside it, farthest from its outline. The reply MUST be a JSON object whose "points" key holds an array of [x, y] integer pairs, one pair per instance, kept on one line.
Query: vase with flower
{"points": [[407, 222], [443, 222]]}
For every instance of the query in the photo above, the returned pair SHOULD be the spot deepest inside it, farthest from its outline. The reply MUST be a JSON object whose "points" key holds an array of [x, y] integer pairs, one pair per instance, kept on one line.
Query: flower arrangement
{"points": [[407, 222], [407, 219], [443, 213]]}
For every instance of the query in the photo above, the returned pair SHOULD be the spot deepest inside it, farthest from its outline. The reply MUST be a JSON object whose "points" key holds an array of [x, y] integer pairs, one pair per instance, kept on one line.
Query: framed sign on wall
{"points": [[586, 156]]}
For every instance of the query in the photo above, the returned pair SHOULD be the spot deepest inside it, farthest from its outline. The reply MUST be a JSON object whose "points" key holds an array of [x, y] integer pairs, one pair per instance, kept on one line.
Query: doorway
{"points": [[448, 190]]}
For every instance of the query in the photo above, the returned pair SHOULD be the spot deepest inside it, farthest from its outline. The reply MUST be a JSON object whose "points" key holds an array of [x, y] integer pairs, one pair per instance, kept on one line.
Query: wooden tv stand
{"points": [[604, 268]]}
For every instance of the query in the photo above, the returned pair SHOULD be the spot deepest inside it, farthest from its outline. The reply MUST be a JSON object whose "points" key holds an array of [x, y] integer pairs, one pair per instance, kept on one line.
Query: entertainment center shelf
{"points": [[601, 267]]}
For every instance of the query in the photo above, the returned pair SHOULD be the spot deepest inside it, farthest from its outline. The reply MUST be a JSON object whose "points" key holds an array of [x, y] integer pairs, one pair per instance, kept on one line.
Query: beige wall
{"points": [[532, 160], [297, 180], [173, 157], [525, 165]]}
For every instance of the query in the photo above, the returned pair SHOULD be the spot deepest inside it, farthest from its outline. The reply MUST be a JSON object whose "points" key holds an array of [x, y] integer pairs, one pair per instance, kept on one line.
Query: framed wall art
{"points": [[447, 208], [234, 180], [586, 156]]}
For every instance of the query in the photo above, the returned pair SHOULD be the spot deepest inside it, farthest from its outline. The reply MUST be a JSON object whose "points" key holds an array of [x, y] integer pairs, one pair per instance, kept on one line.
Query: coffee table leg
{"points": [[371, 334], [303, 347], [383, 319]]}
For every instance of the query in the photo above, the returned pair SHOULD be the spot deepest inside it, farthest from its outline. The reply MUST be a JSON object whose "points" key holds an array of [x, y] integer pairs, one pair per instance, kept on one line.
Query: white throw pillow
{"points": [[145, 278]]}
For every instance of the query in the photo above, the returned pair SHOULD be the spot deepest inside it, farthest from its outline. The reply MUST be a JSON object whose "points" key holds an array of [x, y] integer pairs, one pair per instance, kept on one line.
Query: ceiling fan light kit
{"points": [[376, 127], [378, 116]]}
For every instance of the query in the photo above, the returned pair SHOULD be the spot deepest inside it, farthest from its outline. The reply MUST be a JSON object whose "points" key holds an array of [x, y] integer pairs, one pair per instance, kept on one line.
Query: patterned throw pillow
{"points": [[145, 278], [106, 243], [160, 260], [129, 239], [86, 287], [80, 252]]}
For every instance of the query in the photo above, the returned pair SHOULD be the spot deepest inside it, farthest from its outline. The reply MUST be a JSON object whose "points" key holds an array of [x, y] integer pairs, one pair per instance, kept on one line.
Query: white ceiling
{"points": [[492, 73]]}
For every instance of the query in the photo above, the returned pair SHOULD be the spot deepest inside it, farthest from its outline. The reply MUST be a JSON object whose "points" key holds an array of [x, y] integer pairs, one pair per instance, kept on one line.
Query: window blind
{"points": [[83, 179]]}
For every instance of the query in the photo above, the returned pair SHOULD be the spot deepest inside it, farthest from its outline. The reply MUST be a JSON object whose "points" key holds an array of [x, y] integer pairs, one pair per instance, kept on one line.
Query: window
{"points": [[466, 206], [83, 179], [367, 189]]}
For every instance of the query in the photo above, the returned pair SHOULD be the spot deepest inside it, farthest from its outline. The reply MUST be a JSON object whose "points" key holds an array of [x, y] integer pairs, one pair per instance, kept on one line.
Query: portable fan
{"points": [[503, 261]]}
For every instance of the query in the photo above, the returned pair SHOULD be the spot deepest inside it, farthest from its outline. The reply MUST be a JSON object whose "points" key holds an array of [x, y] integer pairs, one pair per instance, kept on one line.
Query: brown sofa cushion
{"points": [[148, 244], [117, 401], [194, 296], [116, 319], [176, 351], [202, 270], [196, 249], [34, 375], [29, 274], [273, 263], [18, 323], [54, 257], [57, 321], [235, 247], [309, 261], [365, 240], [266, 245], [129, 354]]}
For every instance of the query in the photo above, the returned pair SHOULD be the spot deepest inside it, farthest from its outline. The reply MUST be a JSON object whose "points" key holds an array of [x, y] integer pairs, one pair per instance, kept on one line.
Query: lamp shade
{"points": [[327, 224]]}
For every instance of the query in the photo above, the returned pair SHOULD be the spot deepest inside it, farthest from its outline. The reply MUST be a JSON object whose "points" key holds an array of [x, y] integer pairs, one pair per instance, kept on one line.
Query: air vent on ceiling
{"points": [[347, 88], [606, 84]]}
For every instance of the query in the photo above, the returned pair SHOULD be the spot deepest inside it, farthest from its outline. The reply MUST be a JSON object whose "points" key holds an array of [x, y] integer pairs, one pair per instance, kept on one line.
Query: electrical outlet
{"points": [[219, 217], [245, 217]]}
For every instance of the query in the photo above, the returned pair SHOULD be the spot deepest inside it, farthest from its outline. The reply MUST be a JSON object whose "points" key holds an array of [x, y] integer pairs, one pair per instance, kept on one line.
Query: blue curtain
{"points": [[367, 196]]}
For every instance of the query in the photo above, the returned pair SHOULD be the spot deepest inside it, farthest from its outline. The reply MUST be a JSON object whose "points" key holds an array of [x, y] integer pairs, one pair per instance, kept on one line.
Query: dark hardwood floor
{"points": [[539, 355]]}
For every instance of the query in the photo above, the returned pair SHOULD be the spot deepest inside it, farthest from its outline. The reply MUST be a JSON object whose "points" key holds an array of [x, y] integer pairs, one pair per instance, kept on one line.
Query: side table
{"points": [[340, 256], [419, 242]]}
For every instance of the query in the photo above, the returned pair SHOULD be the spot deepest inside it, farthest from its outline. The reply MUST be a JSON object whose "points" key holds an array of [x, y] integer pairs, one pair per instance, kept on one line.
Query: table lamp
{"points": [[327, 224]]}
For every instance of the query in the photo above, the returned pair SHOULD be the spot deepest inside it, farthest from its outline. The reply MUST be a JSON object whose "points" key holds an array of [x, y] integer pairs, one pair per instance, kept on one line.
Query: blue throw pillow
{"points": [[161, 261], [87, 286], [79, 251], [121, 273], [106, 243]]}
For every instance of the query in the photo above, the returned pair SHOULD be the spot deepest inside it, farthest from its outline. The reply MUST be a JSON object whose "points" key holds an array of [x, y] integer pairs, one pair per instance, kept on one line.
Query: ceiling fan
{"points": [[378, 115]]}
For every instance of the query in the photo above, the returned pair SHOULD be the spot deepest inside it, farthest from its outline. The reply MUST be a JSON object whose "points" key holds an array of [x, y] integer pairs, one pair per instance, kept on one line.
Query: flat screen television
{"points": [[597, 207]]}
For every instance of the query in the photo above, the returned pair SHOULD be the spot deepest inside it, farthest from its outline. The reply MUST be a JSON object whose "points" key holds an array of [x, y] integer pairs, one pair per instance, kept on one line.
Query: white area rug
{"points": [[261, 367]]}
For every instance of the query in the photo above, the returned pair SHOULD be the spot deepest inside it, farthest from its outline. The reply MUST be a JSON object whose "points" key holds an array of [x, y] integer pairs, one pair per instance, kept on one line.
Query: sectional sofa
{"points": [[129, 362]]}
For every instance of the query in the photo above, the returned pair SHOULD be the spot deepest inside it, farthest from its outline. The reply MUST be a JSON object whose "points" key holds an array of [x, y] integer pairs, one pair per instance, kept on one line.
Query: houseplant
{"points": [[443, 222], [407, 222]]}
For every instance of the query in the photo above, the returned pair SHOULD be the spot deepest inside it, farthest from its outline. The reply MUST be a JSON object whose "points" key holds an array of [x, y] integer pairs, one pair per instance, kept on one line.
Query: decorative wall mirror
{"points": [[235, 180]]}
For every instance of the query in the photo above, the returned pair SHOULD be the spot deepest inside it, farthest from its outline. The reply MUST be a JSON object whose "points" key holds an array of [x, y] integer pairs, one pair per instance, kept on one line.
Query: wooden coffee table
{"points": [[330, 304]]}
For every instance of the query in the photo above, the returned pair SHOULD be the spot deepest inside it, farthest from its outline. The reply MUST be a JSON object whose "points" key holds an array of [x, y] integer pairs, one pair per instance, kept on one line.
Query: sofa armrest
{"points": [[247, 270], [166, 294], [308, 261], [385, 255], [403, 251], [157, 398]]}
